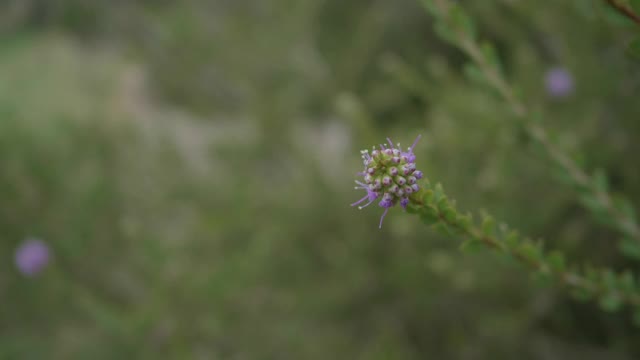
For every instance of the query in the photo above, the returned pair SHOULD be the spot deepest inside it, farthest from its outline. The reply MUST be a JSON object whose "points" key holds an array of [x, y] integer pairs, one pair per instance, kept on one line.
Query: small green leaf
{"points": [[556, 261], [512, 239], [474, 74], [462, 21], [610, 302], [600, 181], [428, 197], [443, 228], [471, 246], [491, 55], [450, 215], [443, 204], [630, 248], [591, 203], [465, 221], [443, 30], [488, 226], [530, 251], [413, 209], [438, 192], [429, 215]]}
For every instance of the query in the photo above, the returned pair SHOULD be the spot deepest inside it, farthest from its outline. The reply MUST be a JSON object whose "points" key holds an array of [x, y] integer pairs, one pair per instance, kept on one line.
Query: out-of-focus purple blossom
{"points": [[390, 174], [559, 82], [32, 256]]}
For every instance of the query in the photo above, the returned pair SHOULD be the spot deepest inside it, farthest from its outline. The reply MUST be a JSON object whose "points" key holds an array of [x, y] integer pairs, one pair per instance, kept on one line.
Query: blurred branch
{"points": [[611, 290], [625, 10], [453, 25]]}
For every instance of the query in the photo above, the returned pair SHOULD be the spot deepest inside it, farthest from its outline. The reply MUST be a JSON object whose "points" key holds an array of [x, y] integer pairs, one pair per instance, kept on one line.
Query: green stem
{"points": [[598, 285], [625, 223]]}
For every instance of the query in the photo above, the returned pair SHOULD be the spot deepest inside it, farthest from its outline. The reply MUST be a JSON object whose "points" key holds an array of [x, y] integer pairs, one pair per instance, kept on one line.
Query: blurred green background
{"points": [[190, 165]]}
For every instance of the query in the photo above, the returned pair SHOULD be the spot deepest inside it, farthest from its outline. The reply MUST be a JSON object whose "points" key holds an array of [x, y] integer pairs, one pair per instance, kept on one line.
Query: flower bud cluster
{"points": [[390, 176]]}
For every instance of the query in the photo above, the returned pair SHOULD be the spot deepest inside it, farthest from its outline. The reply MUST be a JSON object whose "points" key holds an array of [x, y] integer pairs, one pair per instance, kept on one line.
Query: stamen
{"points": [[382, 217], [361, 200], [414, 143], [364, 206]]}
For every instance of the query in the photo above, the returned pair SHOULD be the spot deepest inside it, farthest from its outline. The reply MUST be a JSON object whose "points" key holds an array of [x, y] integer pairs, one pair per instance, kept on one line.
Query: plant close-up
{"points": [[265, 179]]}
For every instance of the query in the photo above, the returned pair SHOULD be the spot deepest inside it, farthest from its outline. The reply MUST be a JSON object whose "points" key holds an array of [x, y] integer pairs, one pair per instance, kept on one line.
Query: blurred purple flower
{"points": [[32, 256], [559, 82]]}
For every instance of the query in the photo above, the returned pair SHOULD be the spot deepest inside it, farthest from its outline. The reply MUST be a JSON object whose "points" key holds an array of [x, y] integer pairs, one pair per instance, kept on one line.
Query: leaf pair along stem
{"points": [[611, 290], [460, 31]]}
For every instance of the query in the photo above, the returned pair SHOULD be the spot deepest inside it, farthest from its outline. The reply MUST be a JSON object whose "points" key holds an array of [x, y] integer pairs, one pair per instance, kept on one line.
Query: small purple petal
{"points": [[385, 203]]}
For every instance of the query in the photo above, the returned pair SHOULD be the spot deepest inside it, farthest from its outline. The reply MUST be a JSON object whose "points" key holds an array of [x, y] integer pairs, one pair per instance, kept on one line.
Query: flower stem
{"points": [[624, 222], [434, 207]]}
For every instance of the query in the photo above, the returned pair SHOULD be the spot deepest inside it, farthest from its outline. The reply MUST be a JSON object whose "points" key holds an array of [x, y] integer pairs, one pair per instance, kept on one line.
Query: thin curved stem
{"points": [[623, 222]]}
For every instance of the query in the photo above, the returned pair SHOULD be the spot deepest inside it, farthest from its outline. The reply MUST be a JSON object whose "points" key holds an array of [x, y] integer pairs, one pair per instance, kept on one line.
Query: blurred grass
{"points": [[190, 166]]}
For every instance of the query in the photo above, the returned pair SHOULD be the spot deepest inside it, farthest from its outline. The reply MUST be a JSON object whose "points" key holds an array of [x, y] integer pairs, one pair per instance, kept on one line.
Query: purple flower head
{"points": [[31, 257], [393, 174], [559, 82]]}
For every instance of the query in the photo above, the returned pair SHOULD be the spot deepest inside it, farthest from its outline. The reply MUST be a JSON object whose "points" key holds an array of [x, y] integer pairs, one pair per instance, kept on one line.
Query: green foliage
{"points": [[612, 290], [593, 191], [188, 163]]}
